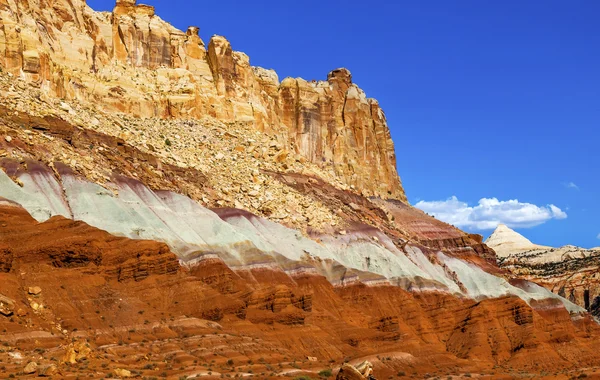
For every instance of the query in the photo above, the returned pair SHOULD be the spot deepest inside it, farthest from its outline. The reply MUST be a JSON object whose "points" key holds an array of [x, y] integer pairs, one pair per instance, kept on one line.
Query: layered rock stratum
{"points": [[169, 210], [570, 271]]}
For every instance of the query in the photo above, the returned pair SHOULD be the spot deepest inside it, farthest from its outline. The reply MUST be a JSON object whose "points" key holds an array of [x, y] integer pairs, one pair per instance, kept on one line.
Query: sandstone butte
{"points": [[168, 210]]}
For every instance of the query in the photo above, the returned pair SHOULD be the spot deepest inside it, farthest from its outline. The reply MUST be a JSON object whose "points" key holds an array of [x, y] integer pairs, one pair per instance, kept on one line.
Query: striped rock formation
{"points": [[182, 214]]}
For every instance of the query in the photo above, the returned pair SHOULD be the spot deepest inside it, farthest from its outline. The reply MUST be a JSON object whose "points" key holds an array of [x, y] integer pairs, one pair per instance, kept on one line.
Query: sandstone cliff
{"points": [[131, 61]]}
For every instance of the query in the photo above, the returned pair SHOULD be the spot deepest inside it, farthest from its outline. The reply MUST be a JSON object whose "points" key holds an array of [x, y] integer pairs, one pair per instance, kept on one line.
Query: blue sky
{"points": [[485, 99]]}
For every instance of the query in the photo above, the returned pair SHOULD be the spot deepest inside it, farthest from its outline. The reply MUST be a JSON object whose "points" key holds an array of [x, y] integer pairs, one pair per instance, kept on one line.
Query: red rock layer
{"points": [[136, 309], [65, 243], [575, 278]]}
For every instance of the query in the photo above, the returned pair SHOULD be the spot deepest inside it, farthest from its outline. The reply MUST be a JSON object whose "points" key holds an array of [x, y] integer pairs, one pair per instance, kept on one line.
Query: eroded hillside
{"points": [[169, 210]]}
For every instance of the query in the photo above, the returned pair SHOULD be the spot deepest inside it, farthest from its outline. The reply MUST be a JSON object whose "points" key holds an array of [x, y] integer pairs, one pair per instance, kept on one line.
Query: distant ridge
{"points": [[506, 241]]}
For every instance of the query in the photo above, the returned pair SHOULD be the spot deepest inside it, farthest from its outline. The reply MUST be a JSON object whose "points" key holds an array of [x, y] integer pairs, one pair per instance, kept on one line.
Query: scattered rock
{"points": [[48, 370], [123, 373], [16, 355], [34, 290], [363, 371], [7, 306], [76, 352], [30, 368], [8, 138]]}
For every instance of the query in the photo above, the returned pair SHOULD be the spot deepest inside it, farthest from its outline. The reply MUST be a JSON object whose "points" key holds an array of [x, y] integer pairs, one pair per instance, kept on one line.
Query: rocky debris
{"points": [[37, 307], [7, 306], [362, 371], [16, 355], [236, 156]]}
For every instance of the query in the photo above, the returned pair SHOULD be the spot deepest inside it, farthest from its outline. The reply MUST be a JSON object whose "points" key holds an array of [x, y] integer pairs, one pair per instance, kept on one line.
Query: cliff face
{"points": [[131, 61]]}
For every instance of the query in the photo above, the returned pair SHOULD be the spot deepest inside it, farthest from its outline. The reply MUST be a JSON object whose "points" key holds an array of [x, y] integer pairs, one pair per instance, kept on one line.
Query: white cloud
{"points": [[598, 236], [571, 185], [490, 212]]}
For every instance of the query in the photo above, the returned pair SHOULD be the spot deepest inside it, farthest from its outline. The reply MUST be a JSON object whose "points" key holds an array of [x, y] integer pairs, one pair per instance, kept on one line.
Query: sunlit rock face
{"points": [[506, 241], [152, 185], [132, 61]]}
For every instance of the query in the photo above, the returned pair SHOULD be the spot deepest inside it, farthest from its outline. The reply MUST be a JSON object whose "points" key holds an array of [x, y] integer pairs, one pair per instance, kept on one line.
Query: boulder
{"points": [[76, 352], [34, 290], [122, 373], [7, 306], [30, 368], [48, 370], [363, 371]]}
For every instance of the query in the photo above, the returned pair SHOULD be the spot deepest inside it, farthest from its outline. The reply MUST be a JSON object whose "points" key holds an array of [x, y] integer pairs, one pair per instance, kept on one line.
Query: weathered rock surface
{"points": [[243, 240], [77, 245], [229, 251], [132, 61], [185, 214], [123, 373]]}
